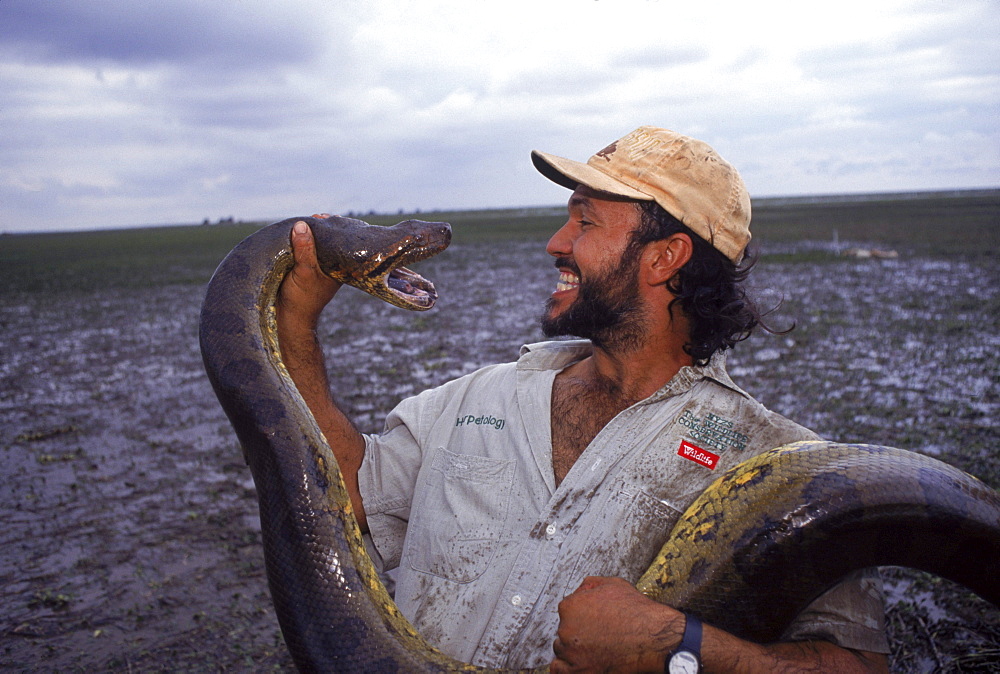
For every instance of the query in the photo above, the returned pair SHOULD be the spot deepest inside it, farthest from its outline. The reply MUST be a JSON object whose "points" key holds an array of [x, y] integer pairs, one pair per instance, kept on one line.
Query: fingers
{"points": [[608, 625], [306, 274], [565, 606], [306, 290], [559, 665], [303, 245]]}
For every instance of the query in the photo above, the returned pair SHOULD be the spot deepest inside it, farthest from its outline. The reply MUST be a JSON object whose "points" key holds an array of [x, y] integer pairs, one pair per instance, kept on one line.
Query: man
{"points": [[593, 448]]}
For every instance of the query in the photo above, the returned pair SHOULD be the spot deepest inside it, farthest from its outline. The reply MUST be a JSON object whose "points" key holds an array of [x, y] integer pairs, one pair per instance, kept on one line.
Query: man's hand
{"points": [[607, 625], [306, 290], [304, 293]]}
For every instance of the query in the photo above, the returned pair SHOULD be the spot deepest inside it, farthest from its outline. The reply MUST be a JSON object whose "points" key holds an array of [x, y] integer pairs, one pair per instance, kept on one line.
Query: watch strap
{"points": [[690, 641]]}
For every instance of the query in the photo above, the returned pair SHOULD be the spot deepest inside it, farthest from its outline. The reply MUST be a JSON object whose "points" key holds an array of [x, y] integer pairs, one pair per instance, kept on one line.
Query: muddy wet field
{"points": [[130, 539]]}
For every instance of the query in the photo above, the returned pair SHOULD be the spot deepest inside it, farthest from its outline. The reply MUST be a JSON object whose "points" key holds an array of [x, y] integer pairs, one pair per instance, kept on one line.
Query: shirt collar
{"points": [[558, 355], [553, 355], [689, 375]]}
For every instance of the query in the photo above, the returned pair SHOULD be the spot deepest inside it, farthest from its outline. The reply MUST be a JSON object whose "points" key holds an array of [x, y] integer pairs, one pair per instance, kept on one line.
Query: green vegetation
{"points": [[490, 225], [933, 223], [86, 261]]}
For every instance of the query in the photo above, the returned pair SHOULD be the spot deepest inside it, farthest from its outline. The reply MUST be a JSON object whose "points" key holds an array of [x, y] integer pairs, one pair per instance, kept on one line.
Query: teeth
{"points": [[567, 281]]}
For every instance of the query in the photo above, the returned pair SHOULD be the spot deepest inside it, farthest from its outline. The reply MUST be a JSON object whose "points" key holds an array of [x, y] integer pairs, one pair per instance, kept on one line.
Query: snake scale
{"points": [[787, 523]]}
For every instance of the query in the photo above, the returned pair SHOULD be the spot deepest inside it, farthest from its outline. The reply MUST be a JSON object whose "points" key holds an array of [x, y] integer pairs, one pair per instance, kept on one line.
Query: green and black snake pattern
{"points": [[788, 523]]}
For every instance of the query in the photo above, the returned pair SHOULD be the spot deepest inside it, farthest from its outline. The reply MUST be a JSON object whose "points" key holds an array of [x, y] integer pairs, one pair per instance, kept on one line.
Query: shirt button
{"points": [[550, 530], [516, 600]]}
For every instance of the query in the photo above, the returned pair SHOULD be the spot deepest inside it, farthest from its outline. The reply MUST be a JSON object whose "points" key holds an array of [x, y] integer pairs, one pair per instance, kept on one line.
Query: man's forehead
{"points": [[585, 198], [582, 192]]}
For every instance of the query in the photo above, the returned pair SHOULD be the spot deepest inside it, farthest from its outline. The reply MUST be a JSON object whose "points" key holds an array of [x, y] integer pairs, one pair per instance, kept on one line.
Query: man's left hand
{"points": [[607, 625]]}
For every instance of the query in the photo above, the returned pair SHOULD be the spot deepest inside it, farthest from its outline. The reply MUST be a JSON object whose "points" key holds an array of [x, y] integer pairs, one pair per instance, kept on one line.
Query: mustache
{"points": [[567, 263]]}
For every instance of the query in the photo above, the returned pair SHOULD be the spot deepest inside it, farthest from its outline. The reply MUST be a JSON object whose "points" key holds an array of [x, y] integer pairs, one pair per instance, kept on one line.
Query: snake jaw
{"points": [[371, 258], [390, 281], [412, 288], [404, 287]]}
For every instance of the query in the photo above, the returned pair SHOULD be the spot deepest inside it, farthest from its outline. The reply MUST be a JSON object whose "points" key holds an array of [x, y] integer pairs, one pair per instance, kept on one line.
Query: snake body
{"points": [[788, 523]]}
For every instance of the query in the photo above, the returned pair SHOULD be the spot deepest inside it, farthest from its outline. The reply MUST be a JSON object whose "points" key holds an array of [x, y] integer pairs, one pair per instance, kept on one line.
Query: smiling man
{"points": [[518, 538]]}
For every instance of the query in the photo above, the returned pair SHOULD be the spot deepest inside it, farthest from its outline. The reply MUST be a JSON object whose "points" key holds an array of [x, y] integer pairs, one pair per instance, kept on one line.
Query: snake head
{"points": [[371, 258]]}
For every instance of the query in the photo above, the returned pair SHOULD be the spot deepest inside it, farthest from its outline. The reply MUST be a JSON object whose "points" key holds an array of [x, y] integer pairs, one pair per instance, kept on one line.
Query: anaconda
{"points": [[788, 523]]}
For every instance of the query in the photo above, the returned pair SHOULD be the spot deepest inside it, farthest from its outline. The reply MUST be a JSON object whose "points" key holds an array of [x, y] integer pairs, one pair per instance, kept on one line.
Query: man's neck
{"points": [[591, 392], [636, 373]]}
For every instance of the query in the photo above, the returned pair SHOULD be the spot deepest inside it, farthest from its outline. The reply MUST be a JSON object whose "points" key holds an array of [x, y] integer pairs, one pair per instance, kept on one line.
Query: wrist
{"points": [[667, 631], [686, 658], [294, 321], [299, 311]]}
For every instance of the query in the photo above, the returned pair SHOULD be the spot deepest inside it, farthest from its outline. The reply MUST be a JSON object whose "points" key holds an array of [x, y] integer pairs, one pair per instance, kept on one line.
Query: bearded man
{"points": [[512, 541]]}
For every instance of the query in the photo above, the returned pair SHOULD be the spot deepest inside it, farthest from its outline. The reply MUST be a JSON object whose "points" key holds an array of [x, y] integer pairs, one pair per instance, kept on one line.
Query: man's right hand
{"points": [[306, 290], [304, 293]]}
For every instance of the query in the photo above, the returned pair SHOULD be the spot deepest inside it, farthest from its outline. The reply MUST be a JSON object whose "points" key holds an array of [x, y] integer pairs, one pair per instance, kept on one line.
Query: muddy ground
{"points": [[130, 537]]}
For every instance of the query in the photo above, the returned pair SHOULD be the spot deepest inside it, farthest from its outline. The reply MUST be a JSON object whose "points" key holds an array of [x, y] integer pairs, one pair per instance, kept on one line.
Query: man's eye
{"points": [[584, 223]]}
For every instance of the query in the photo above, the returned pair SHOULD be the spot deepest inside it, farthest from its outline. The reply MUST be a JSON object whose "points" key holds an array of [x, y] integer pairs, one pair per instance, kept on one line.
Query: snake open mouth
{"points": [[411, 287], [372, 258]]}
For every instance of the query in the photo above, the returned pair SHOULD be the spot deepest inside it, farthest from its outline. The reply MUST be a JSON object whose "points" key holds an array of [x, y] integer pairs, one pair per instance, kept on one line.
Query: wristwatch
{"points": [[686, 658]]}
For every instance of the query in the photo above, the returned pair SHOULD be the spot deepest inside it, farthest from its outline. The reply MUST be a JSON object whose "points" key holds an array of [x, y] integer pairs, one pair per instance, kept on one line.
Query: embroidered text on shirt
{"points": [[713, 431], [483, 420]]}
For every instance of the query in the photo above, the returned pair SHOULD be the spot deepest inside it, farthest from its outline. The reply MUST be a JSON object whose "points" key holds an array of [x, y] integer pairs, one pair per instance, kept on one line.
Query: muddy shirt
{"points": [[463, 508]]}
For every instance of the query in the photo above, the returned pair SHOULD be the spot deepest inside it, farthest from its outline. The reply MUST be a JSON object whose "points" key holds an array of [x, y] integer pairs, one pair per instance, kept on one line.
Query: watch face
{"points": [[683, 662]]}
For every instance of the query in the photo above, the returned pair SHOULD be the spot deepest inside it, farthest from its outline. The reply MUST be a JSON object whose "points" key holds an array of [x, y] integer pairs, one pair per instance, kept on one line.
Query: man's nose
{"points": [[559, 243]]}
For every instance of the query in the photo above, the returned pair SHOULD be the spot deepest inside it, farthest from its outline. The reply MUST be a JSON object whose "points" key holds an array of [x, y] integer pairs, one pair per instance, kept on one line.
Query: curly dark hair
{"points": [[708, 288]]}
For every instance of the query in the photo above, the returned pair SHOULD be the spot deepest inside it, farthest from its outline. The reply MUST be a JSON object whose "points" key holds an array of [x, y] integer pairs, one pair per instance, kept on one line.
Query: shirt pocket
{"points": [[633, 527], [649, 523], [459, 516]]}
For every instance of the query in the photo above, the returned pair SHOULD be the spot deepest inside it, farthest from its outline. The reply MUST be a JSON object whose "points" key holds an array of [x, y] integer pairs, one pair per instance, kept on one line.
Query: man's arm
{"points": [[303, 295], [608, 626]]}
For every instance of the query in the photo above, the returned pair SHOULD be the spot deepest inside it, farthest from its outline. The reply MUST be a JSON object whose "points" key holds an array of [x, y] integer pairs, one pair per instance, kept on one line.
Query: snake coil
{"points": [[788, 523]]}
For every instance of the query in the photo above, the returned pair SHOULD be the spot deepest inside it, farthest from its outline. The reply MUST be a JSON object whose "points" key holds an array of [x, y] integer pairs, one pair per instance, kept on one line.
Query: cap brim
{"points": [[571, 174]]}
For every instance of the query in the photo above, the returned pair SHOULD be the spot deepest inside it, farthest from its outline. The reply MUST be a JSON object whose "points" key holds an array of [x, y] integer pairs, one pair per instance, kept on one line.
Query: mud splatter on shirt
{"points": [[481, 544]]}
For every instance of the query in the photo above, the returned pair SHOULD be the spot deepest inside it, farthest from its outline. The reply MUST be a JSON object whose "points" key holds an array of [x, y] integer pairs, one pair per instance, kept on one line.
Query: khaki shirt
{"points": [[463, 508]]}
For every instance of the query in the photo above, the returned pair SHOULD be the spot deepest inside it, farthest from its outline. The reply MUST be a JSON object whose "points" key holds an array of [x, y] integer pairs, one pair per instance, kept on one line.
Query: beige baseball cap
{"points": [[683, 175]]}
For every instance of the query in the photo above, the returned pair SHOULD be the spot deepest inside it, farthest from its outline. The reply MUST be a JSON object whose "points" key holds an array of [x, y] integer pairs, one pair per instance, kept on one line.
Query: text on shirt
{"points": [[698, 455], [483, 420], [713, 431]]}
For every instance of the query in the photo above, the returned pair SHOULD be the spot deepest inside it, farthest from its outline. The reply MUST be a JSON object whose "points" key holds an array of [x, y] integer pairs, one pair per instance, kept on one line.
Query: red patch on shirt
{"points": [[698, 455]]}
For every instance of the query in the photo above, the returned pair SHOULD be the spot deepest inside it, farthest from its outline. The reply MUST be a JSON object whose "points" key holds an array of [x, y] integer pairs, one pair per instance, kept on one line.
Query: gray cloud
{"points": [[158, 31], [127, 112]]}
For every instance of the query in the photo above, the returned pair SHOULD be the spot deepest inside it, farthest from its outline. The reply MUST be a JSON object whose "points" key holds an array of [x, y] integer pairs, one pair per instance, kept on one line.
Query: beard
{"points": [[606, 309]]}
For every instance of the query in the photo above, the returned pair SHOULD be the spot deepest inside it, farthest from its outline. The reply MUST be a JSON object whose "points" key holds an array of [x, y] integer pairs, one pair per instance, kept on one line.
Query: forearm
{"points": [[303, 357], [607, 625], [723, 652], [304, 293]]}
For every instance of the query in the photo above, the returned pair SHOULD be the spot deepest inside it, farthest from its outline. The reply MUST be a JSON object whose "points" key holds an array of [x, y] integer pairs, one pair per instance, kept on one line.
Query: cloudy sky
{"points": [[128, 112]]}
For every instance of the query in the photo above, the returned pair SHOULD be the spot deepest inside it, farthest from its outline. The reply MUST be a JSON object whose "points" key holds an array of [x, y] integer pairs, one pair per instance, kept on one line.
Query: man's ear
{"points": [[664, 257]]}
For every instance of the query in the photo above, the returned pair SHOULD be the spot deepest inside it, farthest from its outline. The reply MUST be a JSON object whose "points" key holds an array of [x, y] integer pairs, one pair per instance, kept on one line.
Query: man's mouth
{"points": [[567, 281]]}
